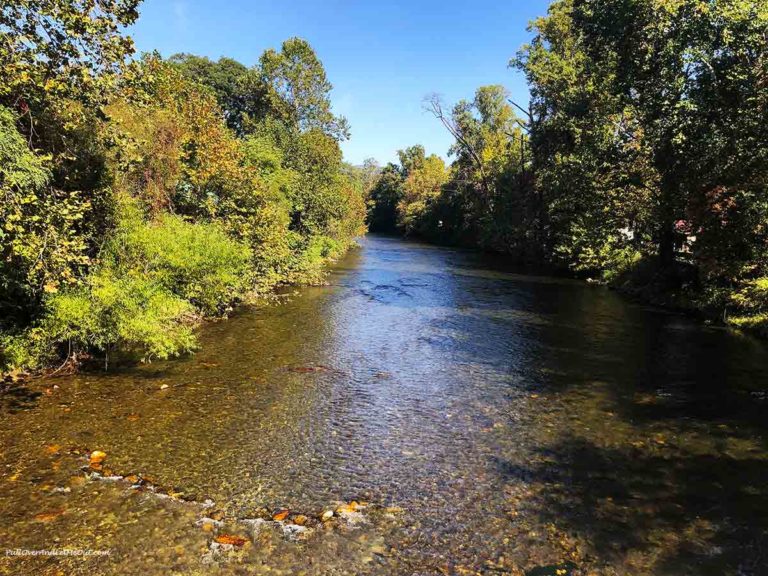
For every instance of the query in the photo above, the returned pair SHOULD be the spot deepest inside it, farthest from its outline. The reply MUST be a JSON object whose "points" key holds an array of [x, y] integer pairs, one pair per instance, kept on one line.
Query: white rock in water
{"points": [[206, 520]]}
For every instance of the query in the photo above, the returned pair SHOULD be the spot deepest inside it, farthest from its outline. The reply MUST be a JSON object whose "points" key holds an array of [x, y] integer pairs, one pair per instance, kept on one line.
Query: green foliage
{"points": [[385, 196], [42, 247], [132, 313], [751, 302], [298, 90], [61, 48], [198, 262], [643, 146], [226, 77], [648, 136], [484, 199], [753, 296], [421, 187], [154, 279], [190, 186]]}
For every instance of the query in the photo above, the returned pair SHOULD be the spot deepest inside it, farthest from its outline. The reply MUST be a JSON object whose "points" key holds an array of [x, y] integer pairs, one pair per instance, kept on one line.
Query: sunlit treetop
{"points": [[61, 47]]}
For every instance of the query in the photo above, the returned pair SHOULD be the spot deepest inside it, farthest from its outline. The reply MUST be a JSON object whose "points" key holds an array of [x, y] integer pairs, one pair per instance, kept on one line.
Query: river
{"points": [[459, 417]]}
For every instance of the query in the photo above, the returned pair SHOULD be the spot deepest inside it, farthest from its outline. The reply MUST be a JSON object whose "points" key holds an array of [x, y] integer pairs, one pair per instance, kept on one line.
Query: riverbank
{"points": [[35, 354], [165, 208]]}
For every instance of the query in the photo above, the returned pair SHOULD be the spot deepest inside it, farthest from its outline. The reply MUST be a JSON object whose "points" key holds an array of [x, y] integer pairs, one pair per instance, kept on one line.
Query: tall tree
{"points": [[298, 90], [226, 77]]}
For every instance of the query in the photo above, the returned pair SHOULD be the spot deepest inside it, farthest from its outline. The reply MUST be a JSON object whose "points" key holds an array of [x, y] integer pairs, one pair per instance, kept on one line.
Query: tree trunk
{"points": [[667, 245]]}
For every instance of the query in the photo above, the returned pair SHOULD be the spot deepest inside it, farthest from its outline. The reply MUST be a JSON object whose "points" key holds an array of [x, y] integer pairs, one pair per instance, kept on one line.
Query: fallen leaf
{"points": [[48, 516], [300, 520], [97, 457], [132, 417], [236, 541], [52, 448], [280, 515]]}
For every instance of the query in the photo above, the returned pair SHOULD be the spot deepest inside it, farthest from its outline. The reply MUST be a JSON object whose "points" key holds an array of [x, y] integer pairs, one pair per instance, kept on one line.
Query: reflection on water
{"points": [[523, 424]]}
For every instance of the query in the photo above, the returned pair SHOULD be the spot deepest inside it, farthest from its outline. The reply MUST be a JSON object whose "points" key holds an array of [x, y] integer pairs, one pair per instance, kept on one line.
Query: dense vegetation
{"points": [[141, 195], [642, 157]]}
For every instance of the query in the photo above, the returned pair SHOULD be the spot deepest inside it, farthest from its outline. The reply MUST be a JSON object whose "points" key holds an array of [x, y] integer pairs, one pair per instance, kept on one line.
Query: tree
{"points": [[411, 158], [298, 89], [227, 78], [385, 197], [61, 48], [490, 183], [421, 187]]}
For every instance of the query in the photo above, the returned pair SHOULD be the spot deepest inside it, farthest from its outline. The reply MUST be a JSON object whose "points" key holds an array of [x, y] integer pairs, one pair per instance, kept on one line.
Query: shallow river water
{"points": [[455, 417]]}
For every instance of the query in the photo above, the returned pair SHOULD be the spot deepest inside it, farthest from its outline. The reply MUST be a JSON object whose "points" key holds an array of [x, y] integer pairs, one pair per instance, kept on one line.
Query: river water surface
{"points": [[460, 419]]}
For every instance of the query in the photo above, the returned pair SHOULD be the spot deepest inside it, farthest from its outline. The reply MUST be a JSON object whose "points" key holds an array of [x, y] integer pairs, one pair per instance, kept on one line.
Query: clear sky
{"points": [[382, 57]]}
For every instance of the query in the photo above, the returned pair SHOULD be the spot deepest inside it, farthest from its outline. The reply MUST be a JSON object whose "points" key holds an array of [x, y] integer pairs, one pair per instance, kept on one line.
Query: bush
{"points": [[752, 303], [153, 282], [197, 262], [133, 313], [308, 266]]}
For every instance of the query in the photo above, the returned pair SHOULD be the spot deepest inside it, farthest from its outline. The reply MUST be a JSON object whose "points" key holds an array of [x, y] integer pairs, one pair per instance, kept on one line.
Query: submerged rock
{"points": [[563, 569]]}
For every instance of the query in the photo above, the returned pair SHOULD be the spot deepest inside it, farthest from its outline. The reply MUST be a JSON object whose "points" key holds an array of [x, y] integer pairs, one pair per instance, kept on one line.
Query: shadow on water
{"points": [[17, 397], [682, 513]]}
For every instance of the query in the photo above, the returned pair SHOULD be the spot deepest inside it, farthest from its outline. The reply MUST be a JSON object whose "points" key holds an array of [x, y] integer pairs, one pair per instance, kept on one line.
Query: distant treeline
{"points": [[139, 196], [642, 157]]}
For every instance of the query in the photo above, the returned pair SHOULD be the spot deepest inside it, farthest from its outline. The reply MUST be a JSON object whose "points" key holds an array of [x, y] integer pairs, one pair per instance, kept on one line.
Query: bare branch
{"points": [[523, 110], [434, 105]]}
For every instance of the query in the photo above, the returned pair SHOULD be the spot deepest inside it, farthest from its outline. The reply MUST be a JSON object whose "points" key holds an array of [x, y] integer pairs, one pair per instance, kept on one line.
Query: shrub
{"points": [[154, 280], [195, 261], [752, 304], [133, 313], [42, 245]]}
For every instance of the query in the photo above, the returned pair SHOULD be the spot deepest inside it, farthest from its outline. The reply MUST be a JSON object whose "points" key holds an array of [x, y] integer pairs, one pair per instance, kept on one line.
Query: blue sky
{"points": [[382, 57]]}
